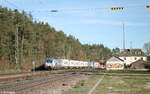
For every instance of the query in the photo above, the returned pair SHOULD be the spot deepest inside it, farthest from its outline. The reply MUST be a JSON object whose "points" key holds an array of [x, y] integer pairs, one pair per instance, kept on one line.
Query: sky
{"points": [[91, 21]]}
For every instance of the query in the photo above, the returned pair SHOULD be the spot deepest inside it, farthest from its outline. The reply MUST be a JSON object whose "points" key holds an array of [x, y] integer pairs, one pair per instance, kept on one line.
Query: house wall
{"points": [[129, 59], [114, 65]]}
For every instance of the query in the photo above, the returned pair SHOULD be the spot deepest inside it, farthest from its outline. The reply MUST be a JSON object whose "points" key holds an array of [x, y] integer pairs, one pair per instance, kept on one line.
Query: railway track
{"points": [[23, 75], [12, 73], [27, 86]]}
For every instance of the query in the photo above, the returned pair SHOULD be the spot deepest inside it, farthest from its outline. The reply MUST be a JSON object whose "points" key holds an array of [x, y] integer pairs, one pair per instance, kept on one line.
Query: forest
{"points": [[23, 40]]}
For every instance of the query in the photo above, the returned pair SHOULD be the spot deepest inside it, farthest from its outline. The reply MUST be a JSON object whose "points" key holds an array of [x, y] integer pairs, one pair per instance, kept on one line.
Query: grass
{"points": [[131, 71], [84, 86], [114, 84]]}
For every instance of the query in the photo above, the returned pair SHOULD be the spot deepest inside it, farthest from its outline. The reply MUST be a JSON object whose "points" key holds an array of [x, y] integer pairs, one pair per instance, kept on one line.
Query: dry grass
{"points": [[114, 84], [124, 85], [84, 86]]}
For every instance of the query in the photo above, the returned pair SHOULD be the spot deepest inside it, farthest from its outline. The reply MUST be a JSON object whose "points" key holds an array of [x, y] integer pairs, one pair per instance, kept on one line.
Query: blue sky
{"points": [[91, 21]]}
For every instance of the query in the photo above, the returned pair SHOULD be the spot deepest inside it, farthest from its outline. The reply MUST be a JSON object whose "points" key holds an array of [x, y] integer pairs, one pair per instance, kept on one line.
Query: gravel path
{"points": [[94, 87]]}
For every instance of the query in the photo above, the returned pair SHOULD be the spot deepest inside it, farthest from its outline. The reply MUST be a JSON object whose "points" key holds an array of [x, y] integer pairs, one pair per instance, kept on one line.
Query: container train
{"points": [[51, 63]]}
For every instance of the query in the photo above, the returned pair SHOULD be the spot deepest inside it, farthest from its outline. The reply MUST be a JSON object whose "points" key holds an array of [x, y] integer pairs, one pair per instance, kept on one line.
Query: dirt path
{"points": [[94, 87]]}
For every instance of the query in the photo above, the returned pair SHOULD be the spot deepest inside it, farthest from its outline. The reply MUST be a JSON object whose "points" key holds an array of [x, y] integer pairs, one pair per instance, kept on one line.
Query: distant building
{"points": [[131, 55], [139, 64], [115, 63]]}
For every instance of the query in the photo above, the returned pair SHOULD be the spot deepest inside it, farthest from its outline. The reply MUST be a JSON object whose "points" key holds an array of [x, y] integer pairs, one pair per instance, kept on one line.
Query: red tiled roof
{"points": [[139, 64], [132, 52], [139, 61]]}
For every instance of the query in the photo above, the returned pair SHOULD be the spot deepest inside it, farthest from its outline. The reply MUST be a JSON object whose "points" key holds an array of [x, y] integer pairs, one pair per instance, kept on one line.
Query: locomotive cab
{"points": [[49, 63]]}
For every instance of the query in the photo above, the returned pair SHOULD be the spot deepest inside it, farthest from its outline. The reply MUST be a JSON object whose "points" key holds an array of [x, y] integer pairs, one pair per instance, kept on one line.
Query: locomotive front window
{"points": [[49, 60]]}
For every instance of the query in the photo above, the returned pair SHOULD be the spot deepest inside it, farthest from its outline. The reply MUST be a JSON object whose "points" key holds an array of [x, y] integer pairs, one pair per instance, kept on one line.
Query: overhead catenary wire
{"points": [[81, 9], [12, 4], [90, 9], [96, 9]]}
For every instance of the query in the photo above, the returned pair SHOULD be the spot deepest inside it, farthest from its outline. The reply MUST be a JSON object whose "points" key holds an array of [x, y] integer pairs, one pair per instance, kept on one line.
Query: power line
{"points": [[97, 9], [12, 4], [81, 9]]}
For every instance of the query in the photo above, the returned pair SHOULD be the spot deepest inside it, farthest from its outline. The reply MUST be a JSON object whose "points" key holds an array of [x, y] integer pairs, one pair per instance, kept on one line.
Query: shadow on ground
{"points": [[39, 68]]}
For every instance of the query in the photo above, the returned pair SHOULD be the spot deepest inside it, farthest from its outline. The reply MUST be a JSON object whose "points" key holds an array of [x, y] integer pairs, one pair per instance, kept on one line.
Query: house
{"points": [[131, 55], [139, 64], [115, 63]]}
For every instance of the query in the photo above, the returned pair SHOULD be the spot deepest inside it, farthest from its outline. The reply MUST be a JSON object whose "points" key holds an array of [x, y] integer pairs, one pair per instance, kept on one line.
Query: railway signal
{"points": [[147, 6], [119, 8]]}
